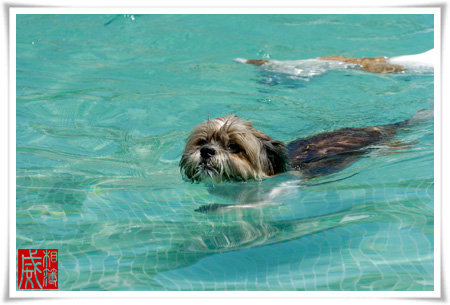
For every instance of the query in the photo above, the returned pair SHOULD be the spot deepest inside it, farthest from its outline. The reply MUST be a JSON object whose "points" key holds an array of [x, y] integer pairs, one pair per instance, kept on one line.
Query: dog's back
{"points": [[329, 152]]}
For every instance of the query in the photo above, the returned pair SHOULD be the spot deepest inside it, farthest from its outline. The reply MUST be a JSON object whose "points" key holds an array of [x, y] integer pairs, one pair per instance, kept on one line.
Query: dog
{"points": [[423, 62], [230, 149]]}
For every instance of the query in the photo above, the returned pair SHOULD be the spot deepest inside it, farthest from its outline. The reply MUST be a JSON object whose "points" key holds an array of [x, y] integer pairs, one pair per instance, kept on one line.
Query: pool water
{"points": [[105, 103]]}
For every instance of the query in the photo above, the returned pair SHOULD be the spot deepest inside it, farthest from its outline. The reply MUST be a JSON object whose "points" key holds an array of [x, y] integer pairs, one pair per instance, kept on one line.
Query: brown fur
{"points": [[231, 149], [332, 151], [368, 64], [256, 62], [240, 152]]}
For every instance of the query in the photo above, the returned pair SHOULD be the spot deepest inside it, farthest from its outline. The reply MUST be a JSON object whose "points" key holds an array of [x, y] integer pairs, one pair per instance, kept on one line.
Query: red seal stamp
{"points": [[38, 269]]}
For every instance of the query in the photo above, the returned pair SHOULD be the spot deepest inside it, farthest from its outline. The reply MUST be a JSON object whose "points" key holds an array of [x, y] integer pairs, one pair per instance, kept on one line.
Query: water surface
{"points": [[105, 103]]}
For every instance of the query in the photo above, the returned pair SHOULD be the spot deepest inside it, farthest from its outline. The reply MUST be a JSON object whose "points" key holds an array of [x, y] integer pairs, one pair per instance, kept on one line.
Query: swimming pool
{"points": [[105, 103]]}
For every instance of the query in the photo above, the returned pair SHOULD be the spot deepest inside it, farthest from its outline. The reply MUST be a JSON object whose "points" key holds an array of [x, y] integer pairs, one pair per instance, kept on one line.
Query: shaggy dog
{"points": [[231, 149]]}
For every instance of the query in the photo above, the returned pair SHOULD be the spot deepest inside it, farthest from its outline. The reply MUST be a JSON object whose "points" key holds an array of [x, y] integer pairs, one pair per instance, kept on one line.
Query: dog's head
{"points": [[230, 149]]}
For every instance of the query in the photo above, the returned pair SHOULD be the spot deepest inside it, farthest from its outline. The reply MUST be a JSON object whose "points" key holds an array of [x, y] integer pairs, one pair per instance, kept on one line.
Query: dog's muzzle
{"points": [[207, 152]]}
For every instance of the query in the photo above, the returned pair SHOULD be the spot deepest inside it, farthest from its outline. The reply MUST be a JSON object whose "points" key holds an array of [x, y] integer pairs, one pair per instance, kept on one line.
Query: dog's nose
{"points": [[206, 152]]}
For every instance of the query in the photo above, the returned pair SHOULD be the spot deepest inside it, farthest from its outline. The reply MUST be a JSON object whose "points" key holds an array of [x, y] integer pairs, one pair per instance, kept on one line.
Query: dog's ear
{"points": [[277, 157], [274, 157]]}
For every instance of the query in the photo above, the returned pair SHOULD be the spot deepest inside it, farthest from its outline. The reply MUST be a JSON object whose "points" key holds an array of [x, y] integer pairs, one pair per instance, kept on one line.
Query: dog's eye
{"points": [[201, 142], [234, 148]]}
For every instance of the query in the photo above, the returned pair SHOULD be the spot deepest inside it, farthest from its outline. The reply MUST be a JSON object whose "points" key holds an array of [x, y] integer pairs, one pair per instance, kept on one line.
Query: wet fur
{"points": [[329, 152], [258, 156], [243, 153]]}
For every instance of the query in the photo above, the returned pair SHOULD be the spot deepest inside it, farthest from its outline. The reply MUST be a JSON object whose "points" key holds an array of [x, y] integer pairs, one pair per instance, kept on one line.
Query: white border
{"points": [[12, 153], [224, 294], [437, 156], [225, 10]]}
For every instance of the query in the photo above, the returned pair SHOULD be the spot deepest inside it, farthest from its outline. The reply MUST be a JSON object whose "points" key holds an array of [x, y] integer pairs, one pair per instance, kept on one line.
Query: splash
{"points": [[308, 68], [418, 63], [304, 68]]}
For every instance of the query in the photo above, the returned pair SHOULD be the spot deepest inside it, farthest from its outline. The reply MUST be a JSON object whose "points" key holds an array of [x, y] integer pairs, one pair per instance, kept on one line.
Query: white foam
{"points": [[305, 67], [423, 61]]}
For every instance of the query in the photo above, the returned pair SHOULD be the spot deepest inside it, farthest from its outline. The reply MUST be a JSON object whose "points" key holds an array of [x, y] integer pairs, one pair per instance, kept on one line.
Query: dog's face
{"points": [[230, 149]]}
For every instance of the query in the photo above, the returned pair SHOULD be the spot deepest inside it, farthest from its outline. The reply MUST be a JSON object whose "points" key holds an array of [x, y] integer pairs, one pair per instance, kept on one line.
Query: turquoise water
{"points": [[105, 103]]}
